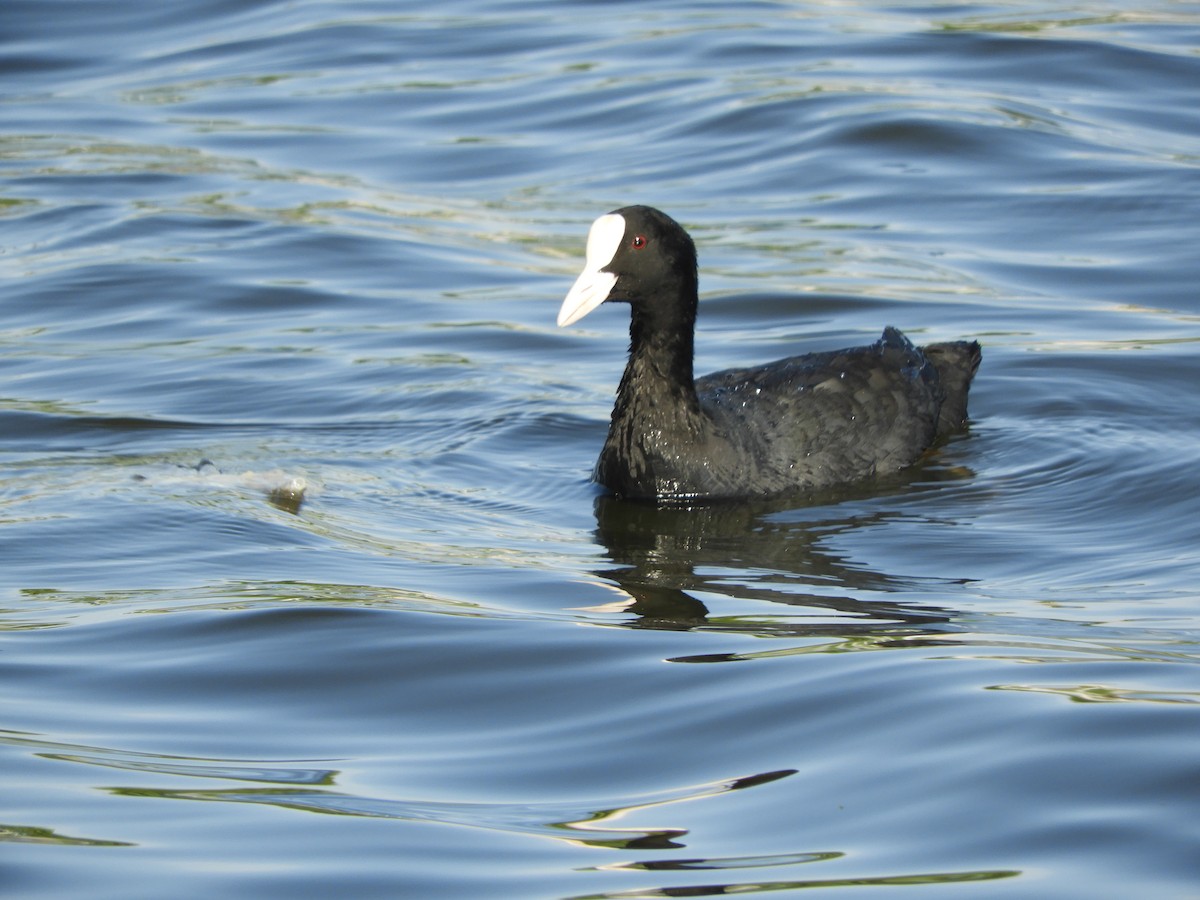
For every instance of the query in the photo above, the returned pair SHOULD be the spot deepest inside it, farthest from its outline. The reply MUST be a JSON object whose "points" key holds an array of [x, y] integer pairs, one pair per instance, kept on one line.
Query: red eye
{"points": [[638, 242]]}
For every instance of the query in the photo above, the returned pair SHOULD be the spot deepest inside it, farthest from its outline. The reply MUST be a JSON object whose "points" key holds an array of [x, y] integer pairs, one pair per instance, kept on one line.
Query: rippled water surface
{"points": [[304, 588]]}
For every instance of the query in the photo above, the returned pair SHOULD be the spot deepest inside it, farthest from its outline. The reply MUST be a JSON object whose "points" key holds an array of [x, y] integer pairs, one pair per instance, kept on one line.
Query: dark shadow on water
{"points": [[775, 550]]}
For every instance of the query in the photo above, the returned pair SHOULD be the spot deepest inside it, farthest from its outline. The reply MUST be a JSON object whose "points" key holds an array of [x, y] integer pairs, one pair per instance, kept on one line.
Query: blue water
{"points": [[304, 590]]}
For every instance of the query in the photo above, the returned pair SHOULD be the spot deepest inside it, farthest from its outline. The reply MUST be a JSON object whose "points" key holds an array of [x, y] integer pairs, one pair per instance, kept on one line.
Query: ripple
{"points": [[302, 241], [582, 822], [722, 889]]}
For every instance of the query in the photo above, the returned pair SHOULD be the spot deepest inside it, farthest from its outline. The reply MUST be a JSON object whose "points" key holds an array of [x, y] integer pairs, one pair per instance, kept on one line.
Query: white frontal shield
{"points": [[592, 287]]}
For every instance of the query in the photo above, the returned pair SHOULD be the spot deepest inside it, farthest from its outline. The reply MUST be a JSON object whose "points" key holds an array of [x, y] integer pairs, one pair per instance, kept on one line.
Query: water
{"points": [[305, 591]]}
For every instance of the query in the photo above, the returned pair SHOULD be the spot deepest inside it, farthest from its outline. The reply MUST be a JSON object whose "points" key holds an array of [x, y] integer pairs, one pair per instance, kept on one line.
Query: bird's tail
{"points": [[956, 363]]}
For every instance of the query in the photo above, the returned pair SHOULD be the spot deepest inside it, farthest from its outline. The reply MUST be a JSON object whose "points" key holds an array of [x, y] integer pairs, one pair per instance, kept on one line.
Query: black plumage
{"points": [[796, 424]]}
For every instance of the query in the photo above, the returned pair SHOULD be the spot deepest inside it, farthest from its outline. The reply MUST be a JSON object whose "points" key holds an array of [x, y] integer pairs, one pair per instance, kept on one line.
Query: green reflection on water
{"points": [[1097, 693], [29, 834]]}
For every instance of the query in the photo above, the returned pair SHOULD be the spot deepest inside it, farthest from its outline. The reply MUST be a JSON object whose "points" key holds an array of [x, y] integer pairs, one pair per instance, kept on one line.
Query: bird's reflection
{"points": [[665, 558]]}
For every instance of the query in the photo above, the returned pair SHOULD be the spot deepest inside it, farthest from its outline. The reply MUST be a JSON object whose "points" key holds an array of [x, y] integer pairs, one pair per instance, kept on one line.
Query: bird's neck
{"points": [[656, 416], [658, 378], [657, 420]]}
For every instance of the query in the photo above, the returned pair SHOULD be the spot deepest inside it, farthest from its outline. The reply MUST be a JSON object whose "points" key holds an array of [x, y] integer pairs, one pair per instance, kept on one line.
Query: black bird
{"points": [[797, 424]]}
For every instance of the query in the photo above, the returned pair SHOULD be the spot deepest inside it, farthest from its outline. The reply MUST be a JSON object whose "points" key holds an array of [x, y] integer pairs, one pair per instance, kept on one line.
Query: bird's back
{"points": [[826, 418]]}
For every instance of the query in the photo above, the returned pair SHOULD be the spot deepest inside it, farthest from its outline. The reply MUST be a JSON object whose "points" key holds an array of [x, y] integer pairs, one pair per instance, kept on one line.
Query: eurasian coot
{"points": [[802, 423]]}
